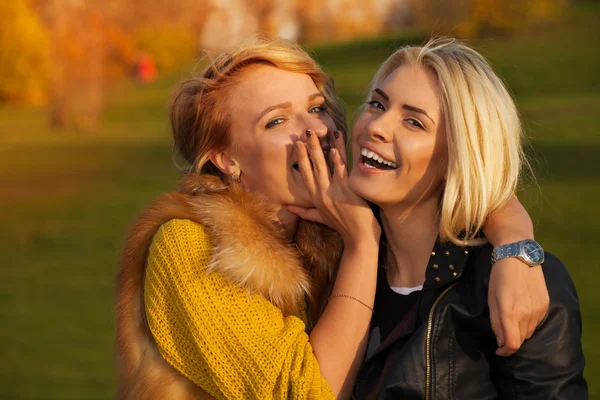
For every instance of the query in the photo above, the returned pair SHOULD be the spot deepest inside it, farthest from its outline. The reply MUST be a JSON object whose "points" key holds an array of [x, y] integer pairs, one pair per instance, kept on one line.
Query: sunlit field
{"points": [[67, 198]]}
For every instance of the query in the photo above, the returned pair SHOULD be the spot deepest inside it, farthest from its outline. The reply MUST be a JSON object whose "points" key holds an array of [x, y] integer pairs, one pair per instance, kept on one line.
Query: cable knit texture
{"points": [[212, 299], [233, 344]]}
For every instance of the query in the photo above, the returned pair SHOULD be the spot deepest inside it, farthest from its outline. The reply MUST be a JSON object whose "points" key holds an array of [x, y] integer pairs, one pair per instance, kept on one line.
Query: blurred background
{"points": [[85, 142]]}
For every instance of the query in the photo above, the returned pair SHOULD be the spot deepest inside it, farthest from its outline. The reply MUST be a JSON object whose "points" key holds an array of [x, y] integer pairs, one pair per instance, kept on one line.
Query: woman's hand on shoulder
{"points": [[336, 205], [518, 300]]}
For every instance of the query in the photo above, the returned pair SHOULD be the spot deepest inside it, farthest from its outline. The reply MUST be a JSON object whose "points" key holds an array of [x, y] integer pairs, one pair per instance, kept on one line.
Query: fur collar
{"points": [[249, 249]]}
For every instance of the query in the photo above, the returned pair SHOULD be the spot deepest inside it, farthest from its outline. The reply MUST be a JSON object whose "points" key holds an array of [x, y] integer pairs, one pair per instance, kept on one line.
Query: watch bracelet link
{"points": [[505, 251]]}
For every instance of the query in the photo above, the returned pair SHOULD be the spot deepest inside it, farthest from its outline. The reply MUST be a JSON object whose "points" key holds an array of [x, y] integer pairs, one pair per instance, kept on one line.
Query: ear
{"points": [[226, 163]]}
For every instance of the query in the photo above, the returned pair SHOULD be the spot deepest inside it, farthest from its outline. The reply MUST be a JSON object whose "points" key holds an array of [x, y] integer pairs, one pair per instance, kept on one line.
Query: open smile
{"points": [[372, 160]]}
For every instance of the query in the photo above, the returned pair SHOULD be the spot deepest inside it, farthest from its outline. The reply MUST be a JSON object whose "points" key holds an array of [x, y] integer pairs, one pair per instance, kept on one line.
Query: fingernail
{"points": [[336, 134], [308, 133], [498, 341]]}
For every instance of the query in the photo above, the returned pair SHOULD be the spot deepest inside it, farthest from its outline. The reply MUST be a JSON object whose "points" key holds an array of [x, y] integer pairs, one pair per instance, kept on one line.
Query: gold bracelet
{"points": [[352, 298]]}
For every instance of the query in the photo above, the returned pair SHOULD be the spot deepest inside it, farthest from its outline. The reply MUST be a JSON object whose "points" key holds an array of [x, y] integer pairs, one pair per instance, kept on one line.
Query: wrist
{"points": [[364, 248], [528, 251], [361, 242], [510, 237]]}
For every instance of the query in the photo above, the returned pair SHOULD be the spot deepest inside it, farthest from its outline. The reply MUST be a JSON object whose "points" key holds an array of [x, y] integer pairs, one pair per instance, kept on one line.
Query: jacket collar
{"points": [[446, 264]]}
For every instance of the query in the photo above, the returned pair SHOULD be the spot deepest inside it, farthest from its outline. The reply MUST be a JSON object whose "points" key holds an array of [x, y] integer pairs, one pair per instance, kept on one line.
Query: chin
{"points": [[362, 188]]}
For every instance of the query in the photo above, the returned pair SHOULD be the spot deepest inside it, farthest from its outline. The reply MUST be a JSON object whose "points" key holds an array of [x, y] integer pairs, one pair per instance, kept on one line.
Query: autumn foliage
{"points": [[472, 18], [64, 53], [24, 54]]}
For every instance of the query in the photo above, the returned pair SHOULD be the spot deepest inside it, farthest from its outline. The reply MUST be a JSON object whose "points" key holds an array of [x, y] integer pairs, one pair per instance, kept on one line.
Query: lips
{"points": [[374, 160]]}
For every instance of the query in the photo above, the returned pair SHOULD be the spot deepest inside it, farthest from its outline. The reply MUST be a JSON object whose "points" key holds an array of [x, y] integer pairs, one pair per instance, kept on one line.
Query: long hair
{"points": [[483, 133]]}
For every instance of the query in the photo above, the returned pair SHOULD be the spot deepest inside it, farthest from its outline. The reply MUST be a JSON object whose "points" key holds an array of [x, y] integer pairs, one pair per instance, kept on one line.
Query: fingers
{"points": [[496, 323], [542, 297], [523, 327], [512, 338], [339, 166], [304, 165], [310, 214], [321, 172], [531, 325], [338, 143], [544, 306]]}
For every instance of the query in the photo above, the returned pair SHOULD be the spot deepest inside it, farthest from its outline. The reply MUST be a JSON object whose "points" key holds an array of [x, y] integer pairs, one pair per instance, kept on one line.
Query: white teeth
{"points": [[376, 157]]}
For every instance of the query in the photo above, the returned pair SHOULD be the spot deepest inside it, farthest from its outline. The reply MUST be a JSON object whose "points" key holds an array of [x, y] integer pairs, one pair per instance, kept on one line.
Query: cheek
{"points": [[360, 127], [266, 159]]}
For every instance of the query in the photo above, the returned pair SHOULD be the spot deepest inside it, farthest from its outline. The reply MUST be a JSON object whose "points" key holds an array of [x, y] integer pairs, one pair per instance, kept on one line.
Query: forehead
{"points": [[416, 86], [262, 86]]}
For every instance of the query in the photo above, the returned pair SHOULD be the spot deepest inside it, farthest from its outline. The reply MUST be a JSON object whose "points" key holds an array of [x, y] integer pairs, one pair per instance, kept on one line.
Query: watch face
{"points": [[533, 251]]}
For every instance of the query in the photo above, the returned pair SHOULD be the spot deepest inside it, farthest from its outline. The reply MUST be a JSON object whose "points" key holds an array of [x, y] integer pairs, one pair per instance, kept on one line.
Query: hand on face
{"points": [[336, 205], [273, 108]]}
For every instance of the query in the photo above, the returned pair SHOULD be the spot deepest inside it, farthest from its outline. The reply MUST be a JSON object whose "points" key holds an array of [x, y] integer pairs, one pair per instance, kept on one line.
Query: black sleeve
{"points": [[550, 364]]}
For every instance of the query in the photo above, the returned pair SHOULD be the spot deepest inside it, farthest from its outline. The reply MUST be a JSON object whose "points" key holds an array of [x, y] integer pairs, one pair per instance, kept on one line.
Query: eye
{"points": [[317, 109], [376, 104], [415, 122], [274, 122]]}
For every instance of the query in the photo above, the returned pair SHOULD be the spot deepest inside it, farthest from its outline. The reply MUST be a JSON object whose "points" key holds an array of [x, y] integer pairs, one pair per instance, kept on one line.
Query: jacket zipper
{"points": [[428, 344]]}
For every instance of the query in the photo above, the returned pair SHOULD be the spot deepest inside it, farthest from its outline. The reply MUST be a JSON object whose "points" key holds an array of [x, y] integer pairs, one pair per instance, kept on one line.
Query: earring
{"points": [[235, 177]]}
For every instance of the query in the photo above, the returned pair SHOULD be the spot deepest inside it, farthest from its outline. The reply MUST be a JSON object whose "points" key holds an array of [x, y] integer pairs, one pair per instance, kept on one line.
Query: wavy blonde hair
{"points": [[200, 117], [483, 133]]}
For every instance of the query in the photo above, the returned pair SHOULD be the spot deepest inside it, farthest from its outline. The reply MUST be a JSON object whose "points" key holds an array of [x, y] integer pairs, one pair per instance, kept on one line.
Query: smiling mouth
{"points": [[370, 159]]}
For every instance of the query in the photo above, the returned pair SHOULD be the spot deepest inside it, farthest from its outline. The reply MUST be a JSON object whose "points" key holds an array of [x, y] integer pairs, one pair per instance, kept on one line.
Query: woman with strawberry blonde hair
{"points": [[225, 293]]}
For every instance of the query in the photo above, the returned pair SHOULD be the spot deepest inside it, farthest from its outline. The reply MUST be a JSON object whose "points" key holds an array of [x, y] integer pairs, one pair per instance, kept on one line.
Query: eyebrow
{"points": [[404, 106], [267, 110], [287, 104], [418, 110], [382, 94]]}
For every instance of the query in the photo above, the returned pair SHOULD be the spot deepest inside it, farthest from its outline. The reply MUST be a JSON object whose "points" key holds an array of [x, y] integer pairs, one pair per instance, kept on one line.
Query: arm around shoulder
{"points": [[550, 364], [231, 343]]}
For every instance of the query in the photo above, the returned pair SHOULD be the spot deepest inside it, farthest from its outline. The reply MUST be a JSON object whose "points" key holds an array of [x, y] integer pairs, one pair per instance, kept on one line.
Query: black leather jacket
{"points": [[447, 350]]}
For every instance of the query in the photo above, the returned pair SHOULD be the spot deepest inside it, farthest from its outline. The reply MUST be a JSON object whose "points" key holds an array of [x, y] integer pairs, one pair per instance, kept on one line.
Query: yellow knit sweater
{"points": [[233, 344]]}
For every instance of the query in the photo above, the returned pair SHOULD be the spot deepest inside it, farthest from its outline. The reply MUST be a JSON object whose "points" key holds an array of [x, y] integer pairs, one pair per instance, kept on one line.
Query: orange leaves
{"points": [[24, 54], [470, 18]]}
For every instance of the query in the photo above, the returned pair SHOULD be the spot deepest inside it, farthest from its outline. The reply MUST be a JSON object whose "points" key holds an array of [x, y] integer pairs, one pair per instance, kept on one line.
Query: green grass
{"points": [[66, 199]]}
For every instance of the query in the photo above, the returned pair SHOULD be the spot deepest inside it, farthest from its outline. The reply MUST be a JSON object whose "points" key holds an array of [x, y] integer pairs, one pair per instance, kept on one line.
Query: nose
{"points": [[316, 127], [380, 129]]}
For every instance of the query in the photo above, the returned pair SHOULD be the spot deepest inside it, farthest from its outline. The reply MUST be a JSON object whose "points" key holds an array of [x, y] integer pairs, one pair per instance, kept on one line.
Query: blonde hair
{"points": [[483, 133], [200, 117]]}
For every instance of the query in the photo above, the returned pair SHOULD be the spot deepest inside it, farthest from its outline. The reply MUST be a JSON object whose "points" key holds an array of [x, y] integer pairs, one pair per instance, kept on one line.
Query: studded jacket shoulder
{"points": [[449, 353]]}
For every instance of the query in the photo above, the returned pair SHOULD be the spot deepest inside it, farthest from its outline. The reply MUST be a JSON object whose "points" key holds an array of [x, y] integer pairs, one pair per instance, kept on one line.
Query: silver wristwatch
{"points": [[528, 251]]}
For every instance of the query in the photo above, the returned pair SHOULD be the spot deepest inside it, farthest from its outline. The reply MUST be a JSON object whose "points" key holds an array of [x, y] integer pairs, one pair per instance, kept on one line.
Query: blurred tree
{"points": [[171, 46], [24, 54], [88, 49], [470, 18], [94, 42]]}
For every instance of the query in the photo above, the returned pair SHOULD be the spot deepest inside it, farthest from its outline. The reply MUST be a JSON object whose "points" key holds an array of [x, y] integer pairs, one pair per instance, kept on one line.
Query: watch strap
{"points": [[506, 251]]}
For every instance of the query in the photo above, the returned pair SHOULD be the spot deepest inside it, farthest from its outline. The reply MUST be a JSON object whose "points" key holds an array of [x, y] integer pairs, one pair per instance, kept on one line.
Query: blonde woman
{"points": [[437, 148], [222, 291]]}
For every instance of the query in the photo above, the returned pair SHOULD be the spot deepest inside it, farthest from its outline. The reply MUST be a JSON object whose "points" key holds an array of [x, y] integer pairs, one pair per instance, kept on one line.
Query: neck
{"points": [[289, 222], [410, 232]]}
